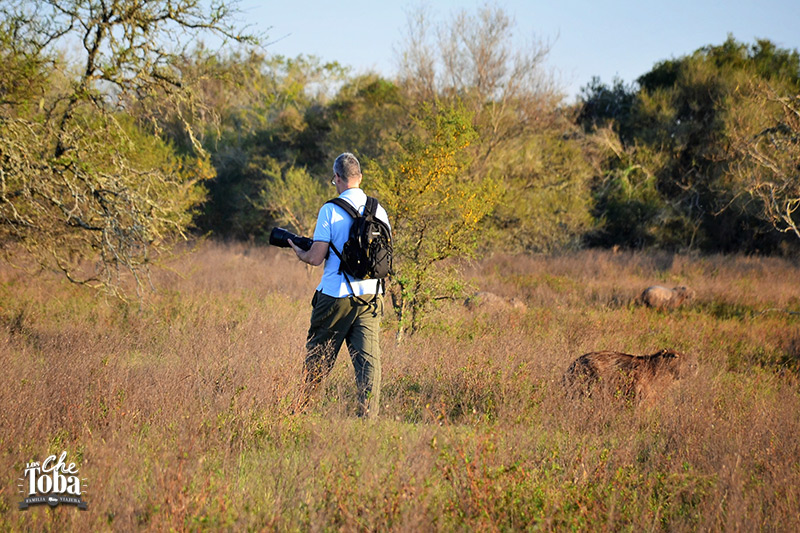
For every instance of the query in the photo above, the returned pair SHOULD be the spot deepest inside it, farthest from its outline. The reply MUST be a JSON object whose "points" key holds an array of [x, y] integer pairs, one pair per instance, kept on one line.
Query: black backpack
{"points": [[367, 254]]}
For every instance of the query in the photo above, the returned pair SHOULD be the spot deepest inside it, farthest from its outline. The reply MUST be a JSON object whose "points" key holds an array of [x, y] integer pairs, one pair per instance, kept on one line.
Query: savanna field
{"points": [[180, 411]]}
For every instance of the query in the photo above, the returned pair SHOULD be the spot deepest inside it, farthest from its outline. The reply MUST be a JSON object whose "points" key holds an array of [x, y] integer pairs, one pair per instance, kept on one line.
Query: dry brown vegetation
{"points": [[180, 413]]}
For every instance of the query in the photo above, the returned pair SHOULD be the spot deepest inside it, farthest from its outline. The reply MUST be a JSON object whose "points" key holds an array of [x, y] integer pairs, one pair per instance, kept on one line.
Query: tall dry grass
{"points": [[181, 413]]}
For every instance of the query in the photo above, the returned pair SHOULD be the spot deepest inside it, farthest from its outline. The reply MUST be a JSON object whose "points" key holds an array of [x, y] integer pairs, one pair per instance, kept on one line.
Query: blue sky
{"points": [[622, 38]]}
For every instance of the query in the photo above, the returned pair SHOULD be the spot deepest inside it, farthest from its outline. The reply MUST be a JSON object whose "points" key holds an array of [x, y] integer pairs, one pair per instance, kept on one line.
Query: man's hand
{"points": [[314, 256]]}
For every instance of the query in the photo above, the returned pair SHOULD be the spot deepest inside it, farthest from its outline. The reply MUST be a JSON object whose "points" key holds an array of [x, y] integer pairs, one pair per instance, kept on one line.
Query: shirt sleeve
{"points": [[322, 232]]}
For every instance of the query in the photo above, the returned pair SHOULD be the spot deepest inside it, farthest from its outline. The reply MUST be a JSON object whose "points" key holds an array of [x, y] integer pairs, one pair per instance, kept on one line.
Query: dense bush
{"points": [[673, 178]]}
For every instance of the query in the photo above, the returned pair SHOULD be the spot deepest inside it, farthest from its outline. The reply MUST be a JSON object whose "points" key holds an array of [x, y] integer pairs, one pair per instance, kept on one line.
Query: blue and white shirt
{"points": [[333, 226]]}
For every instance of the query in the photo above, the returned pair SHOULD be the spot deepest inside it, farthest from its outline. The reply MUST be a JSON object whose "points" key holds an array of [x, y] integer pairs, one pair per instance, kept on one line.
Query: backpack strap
{"points": [[347, 206], [371, 207], [350, 210]]}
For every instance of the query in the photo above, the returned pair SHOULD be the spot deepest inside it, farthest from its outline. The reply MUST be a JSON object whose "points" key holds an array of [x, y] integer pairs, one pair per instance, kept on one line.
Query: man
{"points": [[344, 310]]}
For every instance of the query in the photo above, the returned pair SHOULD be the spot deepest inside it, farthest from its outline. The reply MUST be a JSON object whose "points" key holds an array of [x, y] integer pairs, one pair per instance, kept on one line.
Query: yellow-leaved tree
{"points": [[435, 209]]}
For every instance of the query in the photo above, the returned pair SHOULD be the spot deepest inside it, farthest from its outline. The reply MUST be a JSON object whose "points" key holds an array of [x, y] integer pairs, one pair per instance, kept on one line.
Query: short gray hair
{"points": [[347, 167]]}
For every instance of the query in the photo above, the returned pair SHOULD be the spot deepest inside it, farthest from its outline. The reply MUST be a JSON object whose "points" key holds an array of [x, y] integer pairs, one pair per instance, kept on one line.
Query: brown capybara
{"points": [[661, 297], [491, 301], [631, 376]]}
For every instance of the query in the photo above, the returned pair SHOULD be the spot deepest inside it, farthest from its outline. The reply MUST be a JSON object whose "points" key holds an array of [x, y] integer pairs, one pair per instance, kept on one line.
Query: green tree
{"points": [[675, 126], [631, 210], [471, 58], [764, 130], [525, 142], [80, 179], [547, 198], [436, 214], [604, 106], [365, 117], [258, 110], [289, 196]]}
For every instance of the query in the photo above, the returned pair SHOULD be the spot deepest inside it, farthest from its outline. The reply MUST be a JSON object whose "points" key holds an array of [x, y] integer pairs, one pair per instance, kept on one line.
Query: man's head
{"points": [[347, 168]]}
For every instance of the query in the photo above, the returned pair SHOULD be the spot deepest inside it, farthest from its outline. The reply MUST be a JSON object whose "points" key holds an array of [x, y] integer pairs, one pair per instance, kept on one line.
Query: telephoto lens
{"points": [[280, 237]]}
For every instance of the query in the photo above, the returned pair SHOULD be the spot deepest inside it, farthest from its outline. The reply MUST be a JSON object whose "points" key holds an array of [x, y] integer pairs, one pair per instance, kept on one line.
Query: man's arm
{"points": [[315, 255]]}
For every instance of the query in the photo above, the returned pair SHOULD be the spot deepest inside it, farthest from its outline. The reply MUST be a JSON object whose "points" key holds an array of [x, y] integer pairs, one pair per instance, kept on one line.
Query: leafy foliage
{"points": [[524, 141], [765, 138], [546, 202], [64, 210], [261, 110], [675, 127], [80, 179], [290, 196], [108, 156], [367, 115], [435, 212]]}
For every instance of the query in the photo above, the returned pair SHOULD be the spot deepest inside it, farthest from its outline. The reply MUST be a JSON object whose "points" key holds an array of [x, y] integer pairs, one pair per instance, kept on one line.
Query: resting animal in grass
{"points": [[663, 298], [491, 301], [630, 376]]}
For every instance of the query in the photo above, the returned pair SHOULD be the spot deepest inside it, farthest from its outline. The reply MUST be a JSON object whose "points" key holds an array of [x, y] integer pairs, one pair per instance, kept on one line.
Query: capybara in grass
{"points": [[492, 301], [661, 297], [630, 376]]}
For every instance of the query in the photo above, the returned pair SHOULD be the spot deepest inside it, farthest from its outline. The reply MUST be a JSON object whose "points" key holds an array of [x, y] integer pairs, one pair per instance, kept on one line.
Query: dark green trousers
{"points": [[338, 320]]}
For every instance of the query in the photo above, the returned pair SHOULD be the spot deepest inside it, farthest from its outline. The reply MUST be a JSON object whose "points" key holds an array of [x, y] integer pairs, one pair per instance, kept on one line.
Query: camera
{"points": [[280, 237]]}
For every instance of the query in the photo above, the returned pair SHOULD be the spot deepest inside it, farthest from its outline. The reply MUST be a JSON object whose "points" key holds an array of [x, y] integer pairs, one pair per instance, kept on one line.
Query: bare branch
{"points": [[78, 180]]}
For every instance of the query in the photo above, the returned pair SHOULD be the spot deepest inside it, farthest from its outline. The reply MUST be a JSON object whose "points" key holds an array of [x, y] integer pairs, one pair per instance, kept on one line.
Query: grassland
{"points": [[180, 412]]}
